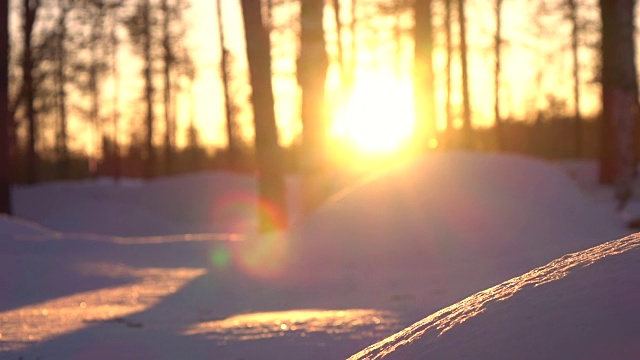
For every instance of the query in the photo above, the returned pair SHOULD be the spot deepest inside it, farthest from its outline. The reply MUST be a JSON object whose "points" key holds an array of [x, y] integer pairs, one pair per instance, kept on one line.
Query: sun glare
{"points": [[377, 118]]}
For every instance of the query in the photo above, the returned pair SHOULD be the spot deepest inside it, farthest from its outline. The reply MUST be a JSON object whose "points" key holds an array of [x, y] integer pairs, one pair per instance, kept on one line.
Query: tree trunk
{"points": [[312, 72], [224, 70], [116, 91], [498, 48], [30, 8], [351, 69], [619, 96], [5, 170], [573, 8], [449, 47], [268, 152], [94, 91], [167, 63], [466, 102], [423, 81], [62, 143], [336, 14], [150, 160]]}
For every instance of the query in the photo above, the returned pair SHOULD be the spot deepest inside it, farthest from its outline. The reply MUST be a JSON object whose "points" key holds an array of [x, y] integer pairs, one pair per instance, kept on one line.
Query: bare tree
{"points": [[573, 16], [341, 62], [30, 11], [351, 68], [62, 142], [498, 48], [449, 49], [96, 70], [466, 101], [423, 79], [115, 114], [140, 30], [269, 154], [619, 96], [5, 171], [312, 72], [224, 71], [168, 59]]}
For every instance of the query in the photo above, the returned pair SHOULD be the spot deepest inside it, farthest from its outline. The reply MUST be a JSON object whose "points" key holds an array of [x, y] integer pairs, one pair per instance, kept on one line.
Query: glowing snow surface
{"points": [[351, 323], [171, 268], [584, 305], [43, 321]]}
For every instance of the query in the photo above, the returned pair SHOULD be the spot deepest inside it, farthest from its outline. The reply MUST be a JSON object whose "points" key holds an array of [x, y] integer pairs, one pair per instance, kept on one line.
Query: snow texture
{"points": [[173, 268], [581, 306]]}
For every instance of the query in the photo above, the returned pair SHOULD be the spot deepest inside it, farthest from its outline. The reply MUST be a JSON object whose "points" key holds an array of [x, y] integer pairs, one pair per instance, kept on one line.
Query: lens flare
{"points": [[259, 255], [264, 256], [238, 213], [220, 257]]}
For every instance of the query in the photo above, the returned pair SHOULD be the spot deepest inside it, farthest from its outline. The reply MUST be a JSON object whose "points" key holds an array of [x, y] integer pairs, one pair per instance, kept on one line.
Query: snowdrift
{"points": [[455, 222], [11, 227], [199, 203], [584, 305], [403, 244]]}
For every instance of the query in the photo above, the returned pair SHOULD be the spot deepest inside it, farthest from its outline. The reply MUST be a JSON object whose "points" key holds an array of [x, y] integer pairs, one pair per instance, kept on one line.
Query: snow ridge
{"points": [[430, 330]]}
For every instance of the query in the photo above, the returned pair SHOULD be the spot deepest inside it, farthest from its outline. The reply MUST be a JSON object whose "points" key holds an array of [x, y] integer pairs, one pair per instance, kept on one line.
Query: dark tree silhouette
{"points": [[498, 48], [174, 55], [268, 152], [449, 48], [30, 10], [167, 59], [312, 72], [62, 142], [423, 79], [225, 72], [573, 16], [466, 101], [140, 28], [341, 61], [5, 173], [114, 41], [619, 96]]}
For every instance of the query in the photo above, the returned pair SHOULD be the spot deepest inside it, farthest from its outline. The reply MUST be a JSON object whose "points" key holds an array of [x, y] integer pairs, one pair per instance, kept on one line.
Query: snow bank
{"points": [[457, 222], [199, 203], [11, 227], [581, 306]]}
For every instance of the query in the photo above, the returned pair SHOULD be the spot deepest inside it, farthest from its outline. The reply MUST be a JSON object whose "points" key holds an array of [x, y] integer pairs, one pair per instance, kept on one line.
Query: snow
{"points": [[172, 268], [580, 306]]}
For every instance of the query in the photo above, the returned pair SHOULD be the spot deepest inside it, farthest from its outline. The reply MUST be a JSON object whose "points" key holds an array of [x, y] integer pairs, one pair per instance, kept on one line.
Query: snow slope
{"points": [[455, 223], [585, 305], [206, 202], [171, 268]]}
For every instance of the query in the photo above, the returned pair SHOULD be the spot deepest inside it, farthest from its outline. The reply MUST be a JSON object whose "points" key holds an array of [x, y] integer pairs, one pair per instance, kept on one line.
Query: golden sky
{"points": [[383, 87]]}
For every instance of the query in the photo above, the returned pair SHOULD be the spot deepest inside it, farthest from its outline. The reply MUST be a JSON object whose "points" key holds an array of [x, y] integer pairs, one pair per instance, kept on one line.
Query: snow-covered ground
{"points": [[173, 269], [581, 306]]}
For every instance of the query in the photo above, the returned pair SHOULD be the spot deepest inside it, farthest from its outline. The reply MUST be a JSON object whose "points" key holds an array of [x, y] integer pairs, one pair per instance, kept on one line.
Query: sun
{"points": [[378, 117]]}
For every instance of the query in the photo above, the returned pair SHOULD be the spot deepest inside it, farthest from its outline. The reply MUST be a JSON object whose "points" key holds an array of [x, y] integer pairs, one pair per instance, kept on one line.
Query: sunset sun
{"points": [[377, 119]]}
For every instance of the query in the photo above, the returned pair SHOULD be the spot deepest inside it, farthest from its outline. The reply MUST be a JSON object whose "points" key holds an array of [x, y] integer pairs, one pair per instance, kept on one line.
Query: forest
{"points": [[108, 88]]}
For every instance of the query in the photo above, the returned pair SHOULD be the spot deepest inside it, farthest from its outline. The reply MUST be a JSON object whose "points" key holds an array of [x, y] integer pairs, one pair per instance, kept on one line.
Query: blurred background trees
{"points": [[120, 88]]}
